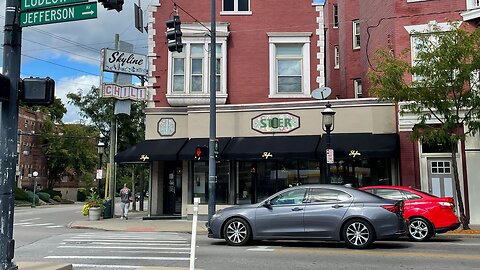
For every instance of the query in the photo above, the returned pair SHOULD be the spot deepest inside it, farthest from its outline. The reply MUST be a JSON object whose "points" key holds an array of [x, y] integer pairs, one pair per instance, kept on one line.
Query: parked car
{"points": [[426, 214], [311, 212]]}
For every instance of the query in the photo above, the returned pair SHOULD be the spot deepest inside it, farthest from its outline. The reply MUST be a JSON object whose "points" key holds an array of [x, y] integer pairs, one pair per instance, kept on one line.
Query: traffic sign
{"points": [[59, 14], [37, 4], [330, 156]]}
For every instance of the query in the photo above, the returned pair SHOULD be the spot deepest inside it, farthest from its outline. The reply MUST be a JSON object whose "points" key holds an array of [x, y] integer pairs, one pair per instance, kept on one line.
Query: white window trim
{"points": [[333, 15], [289, 38], [196, 34], [336, 57], [430, 27], [354, 34], [235, 11], [358, 94]]}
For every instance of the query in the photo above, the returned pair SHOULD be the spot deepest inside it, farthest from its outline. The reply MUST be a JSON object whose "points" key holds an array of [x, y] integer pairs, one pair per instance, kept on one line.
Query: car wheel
{"points": [[237, 232], [419, 229], [358, 233]]}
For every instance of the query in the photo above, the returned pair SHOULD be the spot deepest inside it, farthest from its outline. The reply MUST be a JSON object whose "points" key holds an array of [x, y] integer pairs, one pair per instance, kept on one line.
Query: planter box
{"points": [[94, 213]]}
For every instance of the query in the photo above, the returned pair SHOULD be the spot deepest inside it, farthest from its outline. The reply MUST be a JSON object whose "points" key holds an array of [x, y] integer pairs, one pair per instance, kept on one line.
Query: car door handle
{"points": [[297, 209], [337, 206]]}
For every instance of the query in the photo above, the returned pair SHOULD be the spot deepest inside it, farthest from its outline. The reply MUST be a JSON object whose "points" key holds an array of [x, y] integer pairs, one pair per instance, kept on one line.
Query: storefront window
{"points": [[361, 172], [200, 181]]}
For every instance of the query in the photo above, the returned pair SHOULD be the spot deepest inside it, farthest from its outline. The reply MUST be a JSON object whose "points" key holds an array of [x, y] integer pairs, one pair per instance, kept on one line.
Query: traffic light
{"points": [[37, 91], [174, 34], [201, 152], [4, 88], [112, 4]]}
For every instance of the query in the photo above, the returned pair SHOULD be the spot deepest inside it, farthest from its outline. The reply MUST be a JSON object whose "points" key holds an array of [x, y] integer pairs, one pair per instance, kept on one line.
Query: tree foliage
{"points": [[70, 150], [56, 110], [441, 86]]}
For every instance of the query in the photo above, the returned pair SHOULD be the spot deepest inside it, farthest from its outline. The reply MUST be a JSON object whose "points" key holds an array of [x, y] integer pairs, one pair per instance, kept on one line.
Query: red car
{"points": [[425, 213]]}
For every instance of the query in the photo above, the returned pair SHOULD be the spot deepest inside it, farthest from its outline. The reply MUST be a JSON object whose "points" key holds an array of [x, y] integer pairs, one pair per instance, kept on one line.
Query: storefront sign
{"points": [[144, 158], [166, 127], [124, 62], [132, 92], [267, 155], [275, 123], [354, 153]]}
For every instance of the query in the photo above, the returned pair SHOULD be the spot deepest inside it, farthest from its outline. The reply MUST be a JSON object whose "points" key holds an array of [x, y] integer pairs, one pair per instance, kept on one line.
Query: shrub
{"points": [[53, 193], [20, 194], [81, 195], [30, 196], [93, 200], [57, 198], [44, 196]]}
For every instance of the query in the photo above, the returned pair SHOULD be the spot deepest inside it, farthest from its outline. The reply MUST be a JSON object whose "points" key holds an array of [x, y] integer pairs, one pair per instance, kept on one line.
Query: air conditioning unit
{"points": [[26, 153], [29, 175]]}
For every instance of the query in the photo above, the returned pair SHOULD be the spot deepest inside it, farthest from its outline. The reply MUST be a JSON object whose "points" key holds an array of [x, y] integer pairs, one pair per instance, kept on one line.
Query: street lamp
{"points": [[328, 119], [35, 174], [100, 147]]}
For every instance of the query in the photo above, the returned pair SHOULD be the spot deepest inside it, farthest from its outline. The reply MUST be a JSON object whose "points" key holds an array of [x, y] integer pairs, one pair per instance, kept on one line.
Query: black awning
{"points": [[272, 147], [188, 151], [361, 145], [151, 150]]}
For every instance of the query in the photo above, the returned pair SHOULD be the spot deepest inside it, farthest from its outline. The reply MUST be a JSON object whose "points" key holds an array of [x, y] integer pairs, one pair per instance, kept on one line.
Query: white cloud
{"points": [[73, 85]]}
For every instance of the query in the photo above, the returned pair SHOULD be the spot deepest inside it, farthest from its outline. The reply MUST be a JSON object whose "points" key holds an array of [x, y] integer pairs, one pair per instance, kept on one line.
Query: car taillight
{"points": [[447, 204]]}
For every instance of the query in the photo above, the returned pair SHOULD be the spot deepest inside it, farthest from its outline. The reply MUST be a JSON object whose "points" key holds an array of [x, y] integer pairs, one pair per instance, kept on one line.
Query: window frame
{"points": [[356, 36], [289, 38], [357, 85], [335, 15], [235, 9], [336, 57]]}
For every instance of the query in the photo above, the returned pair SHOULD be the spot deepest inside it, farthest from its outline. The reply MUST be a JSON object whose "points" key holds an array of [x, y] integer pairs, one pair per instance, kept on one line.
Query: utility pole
{"points": [[8, 132], [212, 169]]}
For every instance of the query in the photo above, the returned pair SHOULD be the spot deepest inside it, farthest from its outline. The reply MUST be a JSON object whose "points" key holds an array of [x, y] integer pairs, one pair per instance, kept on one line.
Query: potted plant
{"points": [[93, 206]]}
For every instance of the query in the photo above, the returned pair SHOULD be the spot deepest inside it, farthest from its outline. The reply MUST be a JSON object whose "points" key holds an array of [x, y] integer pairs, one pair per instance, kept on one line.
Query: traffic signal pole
{"points": [[212, 169], [8, 132]]}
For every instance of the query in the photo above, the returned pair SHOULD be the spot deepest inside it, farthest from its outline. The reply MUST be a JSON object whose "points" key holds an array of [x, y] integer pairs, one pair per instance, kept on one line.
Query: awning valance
{"points": [[152, 150], [361, 145], [272, 147]]}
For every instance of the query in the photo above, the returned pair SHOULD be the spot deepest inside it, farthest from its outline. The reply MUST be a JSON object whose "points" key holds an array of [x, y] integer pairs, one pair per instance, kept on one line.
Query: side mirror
{"points": [[267, 204]]}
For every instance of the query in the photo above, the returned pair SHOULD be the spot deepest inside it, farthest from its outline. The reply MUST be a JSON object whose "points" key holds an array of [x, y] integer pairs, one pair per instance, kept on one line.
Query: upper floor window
{"points": [[335, 16], [188, 72], [231, 7], [356, 34], [289, 65], [337, 57], [357, 86]]}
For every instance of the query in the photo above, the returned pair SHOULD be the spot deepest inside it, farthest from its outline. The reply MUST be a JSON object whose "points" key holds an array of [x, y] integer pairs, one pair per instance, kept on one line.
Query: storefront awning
{"points": [[361, 145], [271, 147], [188, 151], [152, 150]]}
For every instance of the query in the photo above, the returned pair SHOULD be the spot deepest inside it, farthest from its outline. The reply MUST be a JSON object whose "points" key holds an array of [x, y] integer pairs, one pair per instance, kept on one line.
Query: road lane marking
{"points": [[21, 223], [128, 239], [261, 248], [38, 224], [29, 219], [119, 258], [123, 247], [391, 254], [56, 226], [113, 241], [105, 266]]}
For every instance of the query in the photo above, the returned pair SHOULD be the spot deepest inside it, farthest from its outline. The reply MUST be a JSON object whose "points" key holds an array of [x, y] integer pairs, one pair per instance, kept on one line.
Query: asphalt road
{"points": [[94, 249]]}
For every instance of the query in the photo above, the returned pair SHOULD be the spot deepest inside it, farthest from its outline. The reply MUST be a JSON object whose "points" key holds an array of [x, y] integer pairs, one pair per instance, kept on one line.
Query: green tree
{"points": [[70, 150], [445, 90], [56, 110]]}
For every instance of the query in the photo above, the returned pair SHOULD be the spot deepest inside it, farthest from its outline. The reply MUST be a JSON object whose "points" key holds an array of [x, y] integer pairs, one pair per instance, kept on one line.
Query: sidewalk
{"points": [[136, 223]]}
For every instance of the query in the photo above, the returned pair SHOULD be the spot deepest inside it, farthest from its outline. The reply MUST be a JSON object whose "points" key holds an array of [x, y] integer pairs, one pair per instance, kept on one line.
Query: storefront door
{"points": [[440, 177], [173, 188]]}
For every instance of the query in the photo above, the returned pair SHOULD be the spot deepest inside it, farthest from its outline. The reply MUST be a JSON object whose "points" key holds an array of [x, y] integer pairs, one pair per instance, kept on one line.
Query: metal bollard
{"points": [[196, 201]]}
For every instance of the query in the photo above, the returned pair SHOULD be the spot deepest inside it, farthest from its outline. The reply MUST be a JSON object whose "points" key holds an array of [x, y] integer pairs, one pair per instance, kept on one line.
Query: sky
{"points": [[69, 52]]}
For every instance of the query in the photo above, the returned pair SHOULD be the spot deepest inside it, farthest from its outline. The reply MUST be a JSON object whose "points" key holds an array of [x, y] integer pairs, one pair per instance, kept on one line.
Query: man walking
{"points": [[125, 194]]}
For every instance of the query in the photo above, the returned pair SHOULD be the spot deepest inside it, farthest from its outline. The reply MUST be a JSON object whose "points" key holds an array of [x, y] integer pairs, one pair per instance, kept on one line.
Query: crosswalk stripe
{"points": [[56, 226], [119, 258], [115, 242], [127, 239], [124, 247], [89, 266], [29, 219], [37, 224]]}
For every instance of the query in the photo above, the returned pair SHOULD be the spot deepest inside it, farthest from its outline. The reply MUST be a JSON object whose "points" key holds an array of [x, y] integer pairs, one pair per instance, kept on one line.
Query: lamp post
{"points": [[35, 174], [100, 147], [328, 117]]}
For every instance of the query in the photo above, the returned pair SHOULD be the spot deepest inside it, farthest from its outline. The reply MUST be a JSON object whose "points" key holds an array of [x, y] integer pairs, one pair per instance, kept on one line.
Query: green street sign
{"points": [[59, 14], [38, 4]]}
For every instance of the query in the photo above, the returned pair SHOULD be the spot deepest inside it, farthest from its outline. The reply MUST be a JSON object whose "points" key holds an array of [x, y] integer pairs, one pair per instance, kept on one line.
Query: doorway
{"points": [[440, 177], [172, 195]]}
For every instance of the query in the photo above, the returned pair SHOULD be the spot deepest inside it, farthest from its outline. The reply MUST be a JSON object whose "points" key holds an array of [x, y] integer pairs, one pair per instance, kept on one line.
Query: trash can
{"points": [[107, 209]]}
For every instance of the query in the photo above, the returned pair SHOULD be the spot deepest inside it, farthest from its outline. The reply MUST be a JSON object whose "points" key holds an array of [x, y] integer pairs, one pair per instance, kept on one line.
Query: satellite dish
{"points": [[321, 93]]}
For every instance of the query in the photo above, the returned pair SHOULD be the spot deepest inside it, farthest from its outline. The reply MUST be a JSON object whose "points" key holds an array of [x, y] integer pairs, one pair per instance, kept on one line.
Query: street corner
{"points": [[43, 266]]}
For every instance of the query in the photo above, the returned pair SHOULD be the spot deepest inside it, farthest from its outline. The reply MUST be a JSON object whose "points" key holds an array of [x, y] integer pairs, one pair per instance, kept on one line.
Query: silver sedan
{"points": [[312, 212]]}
